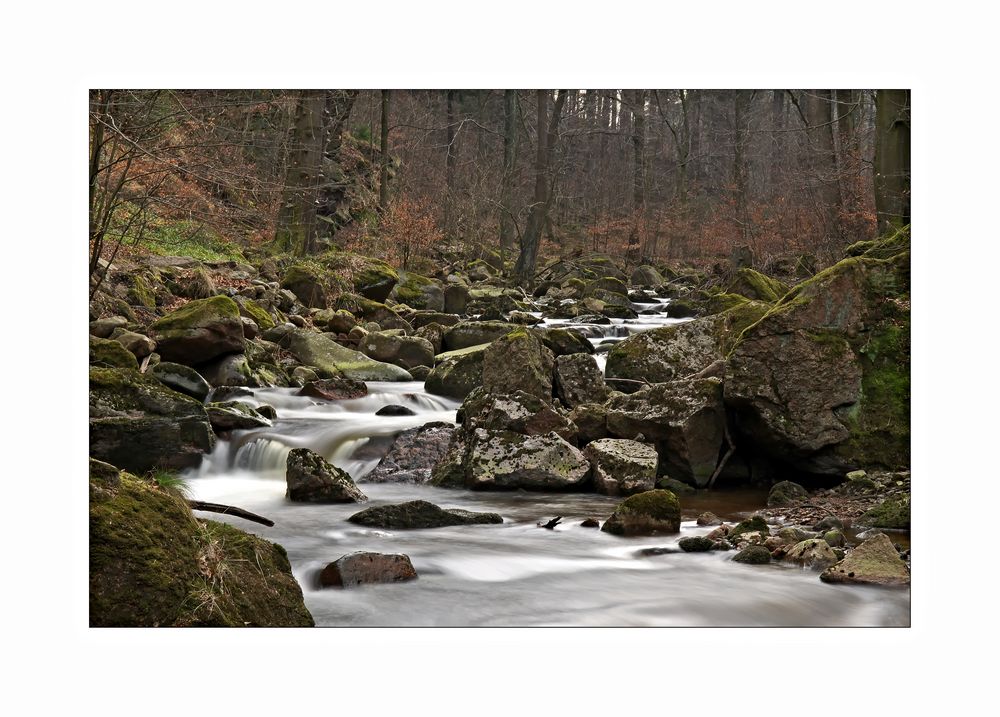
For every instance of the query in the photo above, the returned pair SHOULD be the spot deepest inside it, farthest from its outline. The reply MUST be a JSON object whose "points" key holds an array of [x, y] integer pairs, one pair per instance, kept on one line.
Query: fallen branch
{"points": [[725, 458], [229, 510], [551, 524]]}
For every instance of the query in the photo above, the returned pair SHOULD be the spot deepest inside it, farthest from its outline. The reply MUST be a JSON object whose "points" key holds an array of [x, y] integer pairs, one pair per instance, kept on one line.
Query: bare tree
{"points": [[892, 158]]}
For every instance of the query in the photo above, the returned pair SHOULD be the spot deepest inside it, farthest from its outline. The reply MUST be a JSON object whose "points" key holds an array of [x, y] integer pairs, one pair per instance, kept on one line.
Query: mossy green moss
{"points": [[750, 525], [647, 512], [755, 285], [198, 313], [140, 293], [891, 513], [107, 353], [252, 310]]}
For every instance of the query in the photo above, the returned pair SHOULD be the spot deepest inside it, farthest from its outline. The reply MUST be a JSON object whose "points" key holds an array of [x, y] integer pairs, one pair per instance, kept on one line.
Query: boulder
{"points": [[518, 361], [696, 544], [250, 309], [646, 275], [334, 389], [228, 370], [591, 420], [578, 379], [434, 333], [183, 379], [649, 513], [320, 351], [685, 418], [457, 373], [308, 285], [413, 455], [103, 328], [504, 459], [456, 298], [312, 479], [474, 333], [709, 518], [362, 568], [785, 493], [516, 411], [153, 564], [405, 351], [418, 292], [815, 554], [874, 562], [822, 380], [419, 514], [199, 331], [755, 285], [137, 344], [668, 353], [106, 353], [562, 342], [754, 524], [138, 424], [622, 467], [753, 555], [232, 415]]}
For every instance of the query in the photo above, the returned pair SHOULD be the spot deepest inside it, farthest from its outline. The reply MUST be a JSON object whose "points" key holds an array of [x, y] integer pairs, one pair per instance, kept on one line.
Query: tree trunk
{"points": [[638, 172], [383, 182], [450, 160], [507, 227], [819, 112], [892, 158], [296, 226], [524, 271]]}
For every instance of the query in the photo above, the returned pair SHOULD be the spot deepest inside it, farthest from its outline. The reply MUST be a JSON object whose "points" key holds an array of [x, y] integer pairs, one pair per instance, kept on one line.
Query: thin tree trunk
{"points": [[383, 184], [892, 158], [509, 158], [450, 160], [296, 226]]}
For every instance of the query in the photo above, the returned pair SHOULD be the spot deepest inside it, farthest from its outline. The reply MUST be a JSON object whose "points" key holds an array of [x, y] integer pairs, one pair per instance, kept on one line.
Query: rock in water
{"points": [[199, 331], [312, 479], [753, 555], [324, 353], [622, 467], [502, 459], [519, 361], [232, 415], [667, 353], [696, 544], [419, 514], [874, 562], [183, 379], [649, 513], [413, 455], [815, 554], [334, 389], [756, 524], [516, 411], [578, 380], [456, 373], [405, 351], [362, 568]]}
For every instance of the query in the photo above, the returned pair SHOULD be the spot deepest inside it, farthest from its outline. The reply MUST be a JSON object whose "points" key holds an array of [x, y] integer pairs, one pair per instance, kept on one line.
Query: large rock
{"points": [[785, 492], [326, 354], [456, 298], [822, 381], [474, 333], [648, 513], [183, 379], [519, 361], [232, 415], [199, 331], [456, 373], [755, 285], [516, 411], [563, 342], [228, 370], [135, 343], [891, 513], [418, 292], [334, 389], [685, 418], [646, 275], [405, 351], [813, 553], [874, 562], [504, 459], [312, 479], [578, 379], [667, 353], [139, 424], [153, 564], [307, 283], [362, 568], [413, 455], [106, 353], [622, 467], [419, 514]]}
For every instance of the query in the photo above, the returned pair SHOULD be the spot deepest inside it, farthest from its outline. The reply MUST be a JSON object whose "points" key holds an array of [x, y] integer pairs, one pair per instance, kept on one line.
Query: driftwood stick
{"points": [[229, 510], [552, 523]]}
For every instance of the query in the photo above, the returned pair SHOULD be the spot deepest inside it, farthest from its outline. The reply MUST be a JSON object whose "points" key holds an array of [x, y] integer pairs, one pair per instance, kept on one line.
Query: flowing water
{"points": [[517, 573]]}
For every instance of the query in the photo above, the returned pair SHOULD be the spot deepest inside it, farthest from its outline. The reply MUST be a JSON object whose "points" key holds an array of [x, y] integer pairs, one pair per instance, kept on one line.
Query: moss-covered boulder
{"points": [[307, 283], [813, 553], [874, 562], [153, 564], [515, 411], [519, 362], [405, 351], [891, 513], [822, 381], [252, 310], [324, 353], [417, 514], [456, 298], [755, 285], [622, 467], [753, 555], [372, 278], [564, 342], [754, 524], [228, 370], [646, 275], [199, 331], [106, 353], [667, 353], [413, 454], [785, 492], [648, 513], [457, 373], [139, 424], [135, 343], [608, 284], [686, 419], [474, 333], [367, 310], [418, 292]]}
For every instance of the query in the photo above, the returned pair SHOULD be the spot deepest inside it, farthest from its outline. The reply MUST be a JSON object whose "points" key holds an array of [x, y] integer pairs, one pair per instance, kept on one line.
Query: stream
{"points": [[514, 574]]}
